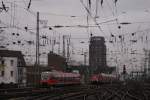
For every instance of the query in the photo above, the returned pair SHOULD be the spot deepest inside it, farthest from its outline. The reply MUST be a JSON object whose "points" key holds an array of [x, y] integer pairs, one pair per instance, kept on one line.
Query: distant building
{"points": [[56, 62], [97, 54], [12, 67]]}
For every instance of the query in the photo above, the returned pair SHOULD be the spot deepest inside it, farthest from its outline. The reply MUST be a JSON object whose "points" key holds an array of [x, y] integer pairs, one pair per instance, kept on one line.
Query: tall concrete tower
{"points": [[97, 54]]}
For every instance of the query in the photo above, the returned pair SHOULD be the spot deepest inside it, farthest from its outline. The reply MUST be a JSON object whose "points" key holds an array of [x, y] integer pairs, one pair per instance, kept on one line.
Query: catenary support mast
{"points": [[37, 52]]}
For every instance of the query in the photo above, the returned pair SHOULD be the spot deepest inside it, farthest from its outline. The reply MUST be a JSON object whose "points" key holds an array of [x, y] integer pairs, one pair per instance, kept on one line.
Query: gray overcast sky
{"points": [[56, 11], [134, 10], [59, 12]]}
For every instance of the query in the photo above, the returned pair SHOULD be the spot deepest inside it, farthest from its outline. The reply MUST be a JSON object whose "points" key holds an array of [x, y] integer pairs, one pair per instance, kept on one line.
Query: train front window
{"points": [[45, 76]]}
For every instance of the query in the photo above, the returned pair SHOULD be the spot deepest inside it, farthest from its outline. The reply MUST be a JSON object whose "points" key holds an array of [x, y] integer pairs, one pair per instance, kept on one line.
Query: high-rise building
{"points": [[97, 54]]}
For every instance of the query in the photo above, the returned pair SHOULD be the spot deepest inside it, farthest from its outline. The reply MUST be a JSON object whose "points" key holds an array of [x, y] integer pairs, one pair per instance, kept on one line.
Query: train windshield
{"points": [[45, 75]]}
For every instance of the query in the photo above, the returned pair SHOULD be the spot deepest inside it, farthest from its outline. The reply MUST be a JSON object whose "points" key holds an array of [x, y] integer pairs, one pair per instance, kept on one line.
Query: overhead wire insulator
{"points": [[50, 28], [58, 26], [101, 2], [125, 23], [26, 28]]}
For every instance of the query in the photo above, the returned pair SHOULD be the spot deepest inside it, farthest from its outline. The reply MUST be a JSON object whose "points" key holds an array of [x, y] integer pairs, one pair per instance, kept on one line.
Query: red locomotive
{"points": [[103, 78], [55, 78]]}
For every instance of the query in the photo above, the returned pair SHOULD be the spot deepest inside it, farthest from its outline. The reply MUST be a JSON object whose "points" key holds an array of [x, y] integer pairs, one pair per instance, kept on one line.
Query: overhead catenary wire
{"points": [[114, 18], [96, 9], [24, 2], [14, 19], [78, 26], [92, 17], [61, 15], [25, 8], [29, 4], [110, 8]]}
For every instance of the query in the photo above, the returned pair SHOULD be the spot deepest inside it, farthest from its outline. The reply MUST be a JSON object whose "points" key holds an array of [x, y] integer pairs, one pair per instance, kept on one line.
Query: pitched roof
{"points": [[11, 53]]}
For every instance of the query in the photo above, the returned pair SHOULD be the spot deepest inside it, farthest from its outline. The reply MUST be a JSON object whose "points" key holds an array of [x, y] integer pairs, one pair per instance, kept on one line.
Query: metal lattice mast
{"points": [[37, 51]]}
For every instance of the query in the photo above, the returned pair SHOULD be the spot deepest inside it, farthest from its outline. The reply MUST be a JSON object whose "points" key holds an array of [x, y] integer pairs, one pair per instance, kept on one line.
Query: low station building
{"points": [[12, 67]]}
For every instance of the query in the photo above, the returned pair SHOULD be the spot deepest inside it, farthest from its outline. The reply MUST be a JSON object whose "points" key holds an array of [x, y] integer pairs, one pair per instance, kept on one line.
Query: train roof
{"points": [[109, 75], [61, 74], [104, 74]]}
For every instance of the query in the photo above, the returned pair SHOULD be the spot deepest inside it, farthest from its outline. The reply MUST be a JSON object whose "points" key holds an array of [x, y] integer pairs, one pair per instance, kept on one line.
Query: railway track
{"points": [[125, 92], [39, 93], [87, 92]]}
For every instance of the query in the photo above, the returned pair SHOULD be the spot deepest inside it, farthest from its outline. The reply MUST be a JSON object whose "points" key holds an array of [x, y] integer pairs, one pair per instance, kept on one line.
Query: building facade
{"points": [[56, 62], [12, 67], [97, 54]]}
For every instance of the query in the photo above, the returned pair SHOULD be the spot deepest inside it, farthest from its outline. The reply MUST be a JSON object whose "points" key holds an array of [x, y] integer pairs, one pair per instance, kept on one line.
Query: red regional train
{"points": [[58, 78], [103, 78]]}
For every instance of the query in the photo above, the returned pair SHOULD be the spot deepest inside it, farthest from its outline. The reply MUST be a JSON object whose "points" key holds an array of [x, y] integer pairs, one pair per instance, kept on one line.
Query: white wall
{"points": [[7, 78]]}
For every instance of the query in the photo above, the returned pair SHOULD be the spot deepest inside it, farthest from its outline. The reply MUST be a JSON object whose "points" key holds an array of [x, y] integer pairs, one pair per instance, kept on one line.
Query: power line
{"points": [[64, 15], [92, 17]]}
